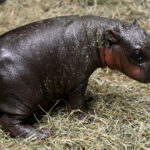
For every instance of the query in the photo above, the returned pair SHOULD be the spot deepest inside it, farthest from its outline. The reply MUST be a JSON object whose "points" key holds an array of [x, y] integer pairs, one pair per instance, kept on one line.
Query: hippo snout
{"points": [[145, 74]]}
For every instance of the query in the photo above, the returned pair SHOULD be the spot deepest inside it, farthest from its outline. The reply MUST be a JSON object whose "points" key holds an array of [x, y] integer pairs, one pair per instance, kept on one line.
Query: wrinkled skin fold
{"points": [[54, 58]]}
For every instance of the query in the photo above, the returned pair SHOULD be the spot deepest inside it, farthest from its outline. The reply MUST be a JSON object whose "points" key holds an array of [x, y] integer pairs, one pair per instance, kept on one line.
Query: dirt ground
{"points": [[122, 105]]}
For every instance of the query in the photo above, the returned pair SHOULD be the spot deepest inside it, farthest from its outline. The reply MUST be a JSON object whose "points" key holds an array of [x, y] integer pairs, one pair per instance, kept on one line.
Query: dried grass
{"points": [[122, 106]]}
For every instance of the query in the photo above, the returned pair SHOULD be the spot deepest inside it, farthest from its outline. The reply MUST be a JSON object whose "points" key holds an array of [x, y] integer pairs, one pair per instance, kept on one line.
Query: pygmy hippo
{"points": [[54, 58]]}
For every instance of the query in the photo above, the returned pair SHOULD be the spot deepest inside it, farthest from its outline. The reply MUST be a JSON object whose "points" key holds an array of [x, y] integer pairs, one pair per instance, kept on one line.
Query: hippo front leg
{"points": [[16, 126], [78, 101]]}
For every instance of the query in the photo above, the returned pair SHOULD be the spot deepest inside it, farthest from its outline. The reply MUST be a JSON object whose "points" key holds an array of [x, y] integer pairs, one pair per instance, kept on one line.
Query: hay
{"points": [[122, 106]]}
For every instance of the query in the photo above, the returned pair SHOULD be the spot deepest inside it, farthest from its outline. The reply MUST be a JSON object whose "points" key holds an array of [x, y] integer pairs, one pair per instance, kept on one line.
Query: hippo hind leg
{"points": [[17, 128], [16, 110]]}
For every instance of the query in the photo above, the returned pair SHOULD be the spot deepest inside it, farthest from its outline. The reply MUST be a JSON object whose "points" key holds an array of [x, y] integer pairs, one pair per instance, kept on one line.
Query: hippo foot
{"points": [[41, 134], [78, 103], [87, 114], [89, 99], [17, 128]]}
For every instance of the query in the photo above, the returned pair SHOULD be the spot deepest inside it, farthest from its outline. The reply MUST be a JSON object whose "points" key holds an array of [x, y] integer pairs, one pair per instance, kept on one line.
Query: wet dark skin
{"points": [[54, 58]]}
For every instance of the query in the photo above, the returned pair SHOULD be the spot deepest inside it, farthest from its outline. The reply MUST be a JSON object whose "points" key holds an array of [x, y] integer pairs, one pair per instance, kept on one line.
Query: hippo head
{"points": [[128, 50]]}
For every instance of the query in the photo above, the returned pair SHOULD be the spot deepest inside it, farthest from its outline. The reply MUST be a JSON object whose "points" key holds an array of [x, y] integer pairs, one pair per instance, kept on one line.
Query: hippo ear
{"points": [[135, 22], [111, 37]]}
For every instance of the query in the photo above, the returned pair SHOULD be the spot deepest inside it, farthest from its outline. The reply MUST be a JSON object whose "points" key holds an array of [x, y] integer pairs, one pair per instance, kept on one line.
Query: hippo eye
{"points": [[138, 55]]}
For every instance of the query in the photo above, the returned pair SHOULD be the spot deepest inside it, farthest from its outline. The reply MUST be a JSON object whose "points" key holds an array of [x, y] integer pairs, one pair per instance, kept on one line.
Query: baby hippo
{"points": [[54, 58]]}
